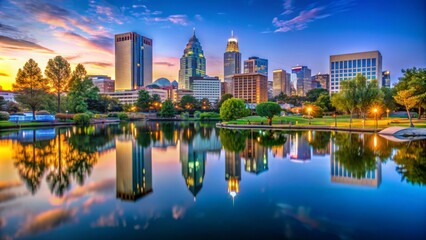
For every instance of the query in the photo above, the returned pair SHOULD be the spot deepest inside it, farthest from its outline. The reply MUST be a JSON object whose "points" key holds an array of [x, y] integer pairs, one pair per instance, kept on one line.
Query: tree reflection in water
{"points": [[411, 160]]}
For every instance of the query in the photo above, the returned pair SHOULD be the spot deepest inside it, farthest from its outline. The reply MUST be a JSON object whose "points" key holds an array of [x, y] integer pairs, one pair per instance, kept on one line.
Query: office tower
{"points": [[233, 172], [104, 83], [231, 61], [133, 61], [347, 66], [252, 87], [321, 81], [192, 63], [303, 79], [206, 87], [193, 165], [256, 65], [300, 151], [255, 156], [386, 81], [134, 169], [281, 82]]}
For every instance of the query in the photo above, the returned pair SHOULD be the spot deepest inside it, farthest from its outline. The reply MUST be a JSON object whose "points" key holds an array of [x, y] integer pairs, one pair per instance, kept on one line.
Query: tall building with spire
{"points": [[231, 61], [192, 63]]}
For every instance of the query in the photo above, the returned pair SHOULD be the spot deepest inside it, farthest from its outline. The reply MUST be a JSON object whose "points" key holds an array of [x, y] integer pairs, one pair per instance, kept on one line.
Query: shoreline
{"points": [[295, 127], [49, 124]]}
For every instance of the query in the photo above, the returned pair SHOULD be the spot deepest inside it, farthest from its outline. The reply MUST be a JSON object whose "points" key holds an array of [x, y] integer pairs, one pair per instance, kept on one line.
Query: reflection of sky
{"points": [[297, 197]]}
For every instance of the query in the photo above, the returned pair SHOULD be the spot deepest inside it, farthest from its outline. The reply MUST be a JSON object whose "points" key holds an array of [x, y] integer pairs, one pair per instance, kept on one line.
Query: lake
{"points": [[180, 180]]}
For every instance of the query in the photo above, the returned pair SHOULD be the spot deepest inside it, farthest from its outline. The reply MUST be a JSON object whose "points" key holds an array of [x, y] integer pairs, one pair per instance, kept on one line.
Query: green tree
{"points": [[223, 98], [346, 100], [281, 98], [408, 99], [367, 94], [144, 101], [168, 109], [58, 73], [205, 104], [268, 110], [156, 101], [313, 94], [232, 109], [414, 79], [188, 102], [81, 90], [30, 86], [324, 102], [233, 140], [411, 161], [388, 98]]}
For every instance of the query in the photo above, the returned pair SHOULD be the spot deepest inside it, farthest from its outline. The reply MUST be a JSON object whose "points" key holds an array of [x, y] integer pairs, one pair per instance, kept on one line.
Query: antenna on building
{"points": [[232, 33], [193, 29]]}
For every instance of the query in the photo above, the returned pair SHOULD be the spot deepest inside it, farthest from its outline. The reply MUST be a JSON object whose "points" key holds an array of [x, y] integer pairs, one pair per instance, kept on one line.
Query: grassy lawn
{"points": [[22, 124], [342, 121]]}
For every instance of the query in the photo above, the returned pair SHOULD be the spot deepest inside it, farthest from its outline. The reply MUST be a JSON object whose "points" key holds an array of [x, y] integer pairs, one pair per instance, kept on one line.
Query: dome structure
{"points": [[162, 82]]}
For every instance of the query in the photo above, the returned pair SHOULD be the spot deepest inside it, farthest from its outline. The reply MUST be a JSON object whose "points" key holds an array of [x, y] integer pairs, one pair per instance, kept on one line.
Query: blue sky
{"points": [[283, 31]]}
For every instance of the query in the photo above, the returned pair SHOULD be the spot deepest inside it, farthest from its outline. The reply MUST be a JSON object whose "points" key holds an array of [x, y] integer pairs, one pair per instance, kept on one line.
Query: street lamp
{"points": [[387, 113], [309, 114], [66, 118], [335, 120], [375, 116]]}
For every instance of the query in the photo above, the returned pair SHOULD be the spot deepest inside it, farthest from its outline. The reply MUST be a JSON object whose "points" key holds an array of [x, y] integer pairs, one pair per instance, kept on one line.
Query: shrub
{"points": [[123, 116], [90, 114], [209, 115], [64, 116], [184, 115], [113, 115], [4, 115], [82, 119], [197, 114]]}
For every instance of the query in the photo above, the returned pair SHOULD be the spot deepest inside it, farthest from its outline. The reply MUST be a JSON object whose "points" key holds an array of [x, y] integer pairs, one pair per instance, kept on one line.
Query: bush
{"points": [[209, 115], [90, 114], [4, 115], [82, 119], [64, 116], [123, 116], [113, 115], [184, 115], [197, 114]]}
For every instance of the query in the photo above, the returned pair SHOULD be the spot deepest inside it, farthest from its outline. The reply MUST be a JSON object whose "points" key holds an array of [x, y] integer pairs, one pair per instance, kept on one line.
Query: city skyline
{"points": [[286, 33]]}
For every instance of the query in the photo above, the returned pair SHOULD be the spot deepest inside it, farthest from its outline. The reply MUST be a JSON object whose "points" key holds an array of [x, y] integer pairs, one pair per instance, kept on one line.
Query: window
{"points": [[341, 65], [354, 63], [350, 64], [374, 62], [368, 62], [346, 64], [359, 63], [332, 66], [363, 62]]}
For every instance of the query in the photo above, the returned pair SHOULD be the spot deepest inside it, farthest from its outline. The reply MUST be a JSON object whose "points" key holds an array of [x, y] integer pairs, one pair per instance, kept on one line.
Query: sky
{"points": [[286, 32]]}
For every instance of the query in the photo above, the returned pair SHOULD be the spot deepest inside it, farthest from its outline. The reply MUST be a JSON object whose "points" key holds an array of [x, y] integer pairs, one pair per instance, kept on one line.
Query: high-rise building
{"points": [[192, 63], [206, 87], [133, 61], [233, 172], [252, 87], [300, 151], [386, 81], [303, 79], [255, 156], [256, 65], [347, 66], [281, 82], [231, 61], [104, 83], [134, 169], [193, 165], [321, 81]]}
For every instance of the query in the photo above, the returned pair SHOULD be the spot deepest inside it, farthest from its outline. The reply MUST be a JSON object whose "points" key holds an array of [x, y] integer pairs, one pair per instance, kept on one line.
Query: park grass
{"points": [[342, 121]]}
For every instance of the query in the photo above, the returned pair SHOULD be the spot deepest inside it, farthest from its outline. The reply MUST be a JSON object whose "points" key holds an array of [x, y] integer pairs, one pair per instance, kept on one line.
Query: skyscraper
{"points": [[321, 81], [192, 63], [281, 82], [256, 65], [231, 61], [133, 61], [386, 81], [347, 66], [303, 79]]}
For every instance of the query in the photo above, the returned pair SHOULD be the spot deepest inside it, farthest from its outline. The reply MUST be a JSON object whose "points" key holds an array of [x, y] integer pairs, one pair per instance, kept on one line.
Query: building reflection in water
{"points": [[233, 172], [255, 155], [134, 169], [363, 169], [300, 151]]}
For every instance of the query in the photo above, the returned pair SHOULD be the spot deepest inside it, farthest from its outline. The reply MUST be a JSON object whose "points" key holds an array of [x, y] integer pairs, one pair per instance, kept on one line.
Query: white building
{"points": [[206, 87], [8, 95], [131, 97]]}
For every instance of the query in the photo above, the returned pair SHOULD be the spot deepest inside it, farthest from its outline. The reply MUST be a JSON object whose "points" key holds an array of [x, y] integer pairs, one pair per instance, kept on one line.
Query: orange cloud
{"points": [[100, 44], [20, 44]]}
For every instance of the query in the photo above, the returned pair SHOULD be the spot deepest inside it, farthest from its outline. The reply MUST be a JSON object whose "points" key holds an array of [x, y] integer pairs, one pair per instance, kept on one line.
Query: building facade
{"points": [[303, 79], [131, 97], [281, 82], [321, 81], [256, 65], [192, 63], [8, 95], [347, 66], [252, 87], [177, 94], [206, 87], [133, 61], [386, 80], [231, 61], [103, 82]]}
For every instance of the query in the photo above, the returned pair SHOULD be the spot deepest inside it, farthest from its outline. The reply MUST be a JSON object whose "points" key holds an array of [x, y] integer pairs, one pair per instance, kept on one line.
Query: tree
{"points": [[188, 102], [104, 104], [30, 86], [346, 100], [313, 94], [205, 104], [58, 73], [281, 98], [81, 90], [224, 97], [144, 101], [156, 101], [414, 79], [168, 109], [408, 99], [324, 102], [2, 103], [233, 108], [388, 100], [268, 110], [367, 94], [12, 107]]}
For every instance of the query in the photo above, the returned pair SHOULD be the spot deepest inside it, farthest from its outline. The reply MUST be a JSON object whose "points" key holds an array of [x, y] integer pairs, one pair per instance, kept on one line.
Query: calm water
{"points": [[185, 180]]}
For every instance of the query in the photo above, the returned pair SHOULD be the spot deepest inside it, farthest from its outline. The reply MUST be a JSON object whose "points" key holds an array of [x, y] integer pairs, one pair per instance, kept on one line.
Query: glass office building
{"points": [[256, 65], [231, 59], [347, 66]]}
